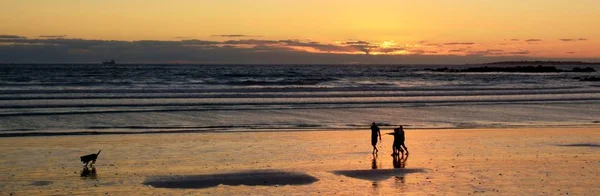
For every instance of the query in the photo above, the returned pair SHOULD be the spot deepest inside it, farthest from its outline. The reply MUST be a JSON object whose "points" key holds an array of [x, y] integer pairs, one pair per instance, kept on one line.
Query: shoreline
{"points": [[116, 131]]}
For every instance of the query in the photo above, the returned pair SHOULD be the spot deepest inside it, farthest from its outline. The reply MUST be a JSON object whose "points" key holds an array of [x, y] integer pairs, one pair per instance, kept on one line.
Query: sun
{"points": [[387, 44]]}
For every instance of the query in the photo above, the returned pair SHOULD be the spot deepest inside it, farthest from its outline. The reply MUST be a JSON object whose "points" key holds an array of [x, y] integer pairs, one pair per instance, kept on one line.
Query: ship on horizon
{"points": [[111, 62]]}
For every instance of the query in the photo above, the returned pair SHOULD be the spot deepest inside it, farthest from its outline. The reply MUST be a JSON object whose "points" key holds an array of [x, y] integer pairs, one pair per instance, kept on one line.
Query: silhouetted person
{"points": [[398, 141], [396, 144], [375, 132], [401, 139]]}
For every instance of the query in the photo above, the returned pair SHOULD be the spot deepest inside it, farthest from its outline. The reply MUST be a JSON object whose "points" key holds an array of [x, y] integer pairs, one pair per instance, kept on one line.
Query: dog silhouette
{"points": [[90, 157]]}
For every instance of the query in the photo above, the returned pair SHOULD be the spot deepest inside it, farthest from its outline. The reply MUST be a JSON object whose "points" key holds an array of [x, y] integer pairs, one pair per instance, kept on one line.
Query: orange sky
{"points": [[554, 28]]}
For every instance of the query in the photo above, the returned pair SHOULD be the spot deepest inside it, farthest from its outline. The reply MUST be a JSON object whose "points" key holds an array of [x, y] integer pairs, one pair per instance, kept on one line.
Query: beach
{"points": [[268, 97], [507, 161]]}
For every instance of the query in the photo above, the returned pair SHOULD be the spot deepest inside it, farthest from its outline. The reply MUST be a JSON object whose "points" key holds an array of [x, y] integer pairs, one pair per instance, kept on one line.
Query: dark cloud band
{"points": [[11, 37], [52, 36], [15, 48]]}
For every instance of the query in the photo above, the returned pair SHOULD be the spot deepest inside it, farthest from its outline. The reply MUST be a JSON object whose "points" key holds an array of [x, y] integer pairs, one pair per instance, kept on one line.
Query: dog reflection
{"points": [[399, 161], [90, 173]]}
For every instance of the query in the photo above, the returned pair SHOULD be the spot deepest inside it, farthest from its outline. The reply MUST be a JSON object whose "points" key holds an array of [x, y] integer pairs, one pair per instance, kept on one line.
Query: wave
{"points": [[116, 130], [219, 127], [45, 133], [129, 130], [273, 82], [116, 109], [298, 94], [63, 90], [60, 103]]}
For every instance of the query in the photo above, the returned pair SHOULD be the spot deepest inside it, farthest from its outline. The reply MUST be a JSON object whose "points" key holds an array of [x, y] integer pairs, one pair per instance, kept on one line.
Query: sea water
{"points": [[63, 99]]}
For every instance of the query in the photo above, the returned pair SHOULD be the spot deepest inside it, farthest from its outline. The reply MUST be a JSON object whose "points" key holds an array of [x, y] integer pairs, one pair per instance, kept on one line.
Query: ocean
{"points": [[71, 99]]}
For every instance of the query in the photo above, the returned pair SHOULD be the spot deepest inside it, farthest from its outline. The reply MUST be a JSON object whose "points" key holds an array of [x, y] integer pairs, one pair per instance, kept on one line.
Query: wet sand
{"points": [[525, 161]]}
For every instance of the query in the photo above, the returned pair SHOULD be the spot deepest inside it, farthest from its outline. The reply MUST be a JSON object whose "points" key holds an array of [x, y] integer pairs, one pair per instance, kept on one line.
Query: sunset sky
{"points": [[283, 31]]}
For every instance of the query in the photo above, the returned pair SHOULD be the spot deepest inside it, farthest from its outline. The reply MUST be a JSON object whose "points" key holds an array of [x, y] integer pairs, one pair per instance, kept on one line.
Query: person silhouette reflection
{"points": [[399, 161], [374, 162]]}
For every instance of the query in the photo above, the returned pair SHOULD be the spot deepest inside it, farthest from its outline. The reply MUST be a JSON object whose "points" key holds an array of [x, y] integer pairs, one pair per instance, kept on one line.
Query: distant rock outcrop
{"points": [[588, 79], [543, 63], [524, 69]]}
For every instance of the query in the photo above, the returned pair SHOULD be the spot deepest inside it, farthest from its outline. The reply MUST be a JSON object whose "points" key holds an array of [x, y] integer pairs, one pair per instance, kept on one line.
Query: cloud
{"points": [[435, 45], [357, 43], [515, 40], [318, 46], [459, 43], [70, 43], [521, 52], [390, 50], [267, 48], [533, 40], [488, 52], [457, 50], [149, 50], [52, 36], [363, 46], [572, 39], [11, 37], [292, 51], [250, 41], [420, 52], [195, 42], [468, 51], [235, 35]]}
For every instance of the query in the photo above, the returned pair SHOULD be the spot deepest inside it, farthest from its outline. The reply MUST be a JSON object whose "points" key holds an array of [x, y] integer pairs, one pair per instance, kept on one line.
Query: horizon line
{"points": [[267, 63]]}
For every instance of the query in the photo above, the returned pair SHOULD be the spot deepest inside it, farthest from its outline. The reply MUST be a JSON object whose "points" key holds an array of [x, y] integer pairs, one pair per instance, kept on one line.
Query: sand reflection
{"points": [[592, 145], [249, 178], [375, 174]]}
